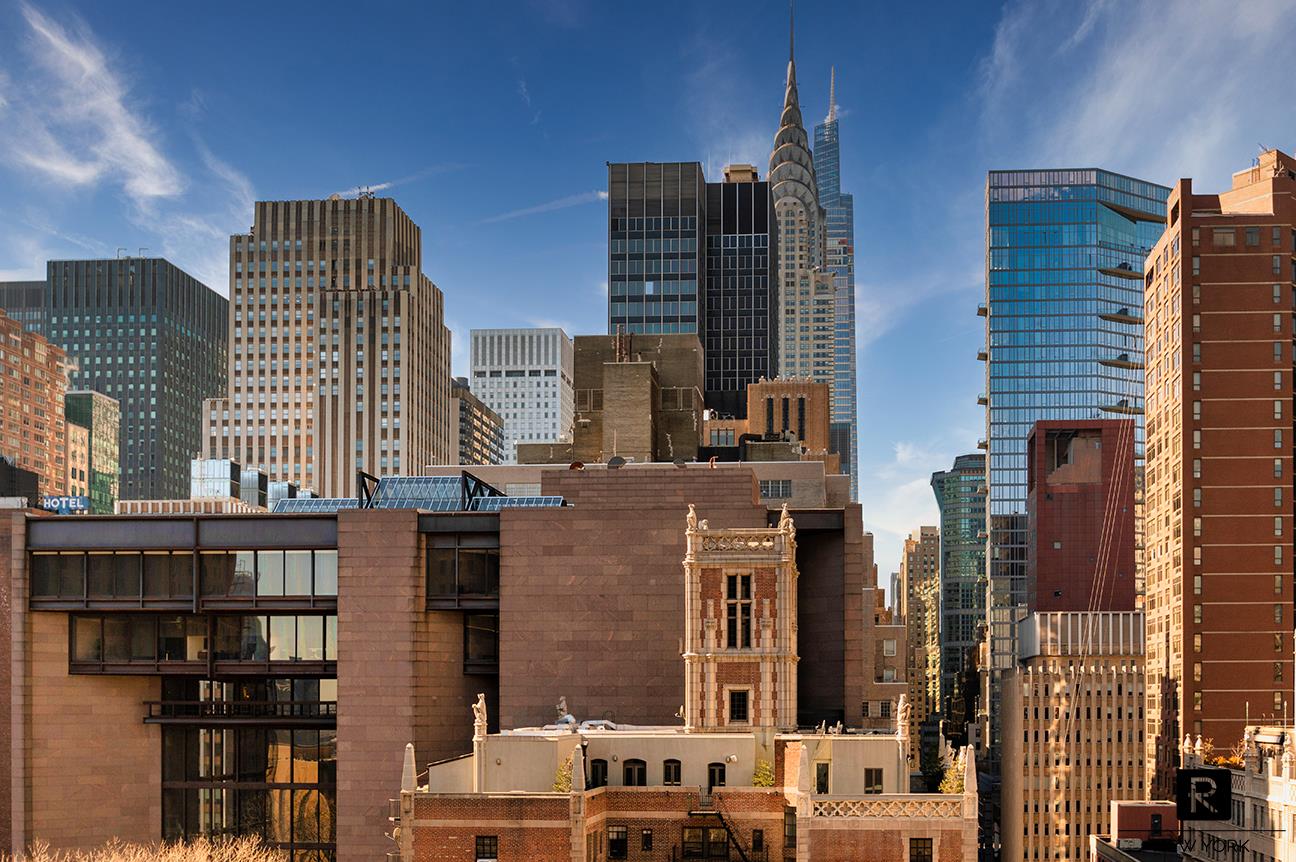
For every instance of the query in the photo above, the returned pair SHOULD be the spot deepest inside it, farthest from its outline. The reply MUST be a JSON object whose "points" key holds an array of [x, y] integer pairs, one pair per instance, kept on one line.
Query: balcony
{"points": [[1124, 315], [281, 713], [983, 399], [1124, 408], [982, 311], [1122, 361], [1124, 270], [983, 443], [982, 355]]}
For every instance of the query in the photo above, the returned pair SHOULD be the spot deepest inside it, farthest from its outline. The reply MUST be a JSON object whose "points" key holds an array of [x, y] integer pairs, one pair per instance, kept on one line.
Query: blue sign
{"points": [[65, 505]]}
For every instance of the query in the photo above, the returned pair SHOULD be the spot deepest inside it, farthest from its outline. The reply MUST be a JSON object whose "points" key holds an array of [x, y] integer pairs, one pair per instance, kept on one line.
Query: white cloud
{"points": [[730, 127], [423, 174], [559, 204], [74, 124]]}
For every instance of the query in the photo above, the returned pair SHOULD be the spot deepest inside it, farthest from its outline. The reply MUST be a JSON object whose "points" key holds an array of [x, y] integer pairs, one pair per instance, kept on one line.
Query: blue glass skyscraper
{"points": [[1064, 340], [840, 260]]}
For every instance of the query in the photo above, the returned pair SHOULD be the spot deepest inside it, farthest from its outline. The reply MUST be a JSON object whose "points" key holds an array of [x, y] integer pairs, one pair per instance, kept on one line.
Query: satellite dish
{"points": [[576, 465], [616, 462], [681, 463]]}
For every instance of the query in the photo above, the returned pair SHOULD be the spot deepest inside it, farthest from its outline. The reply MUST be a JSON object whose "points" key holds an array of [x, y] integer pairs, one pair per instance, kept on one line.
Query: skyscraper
{"points": [[1064, 340], [148, 334], [340, 358], [101, 416], [840, 260], [807, 300], [479, 437], [655, 247], [525, 376], [740, 289], [33, 380], [1221, 285], [920, 607], [961, 496]]}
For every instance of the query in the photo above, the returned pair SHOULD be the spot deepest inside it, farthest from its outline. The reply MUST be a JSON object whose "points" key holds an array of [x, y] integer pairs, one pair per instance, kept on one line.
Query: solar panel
{"points": [[418, 492], [314, 504], [495, 504]]}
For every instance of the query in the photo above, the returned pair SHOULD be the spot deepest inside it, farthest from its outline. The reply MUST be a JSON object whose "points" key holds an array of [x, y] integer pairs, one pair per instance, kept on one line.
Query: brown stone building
{"points": [[1072, 719], [732, 777], [339, 356], [638, 397], [299, 646], [920, 611], [1218, 321], [33, 381], [781, 411], [1080, 515]]}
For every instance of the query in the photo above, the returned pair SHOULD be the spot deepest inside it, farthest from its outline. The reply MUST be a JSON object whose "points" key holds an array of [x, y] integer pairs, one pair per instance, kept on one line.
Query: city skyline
{"points": [[150, 149]]}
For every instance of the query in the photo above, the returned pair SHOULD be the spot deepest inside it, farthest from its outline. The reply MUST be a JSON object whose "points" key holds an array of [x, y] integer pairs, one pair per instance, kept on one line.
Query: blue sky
{"points": [[156, 125]]}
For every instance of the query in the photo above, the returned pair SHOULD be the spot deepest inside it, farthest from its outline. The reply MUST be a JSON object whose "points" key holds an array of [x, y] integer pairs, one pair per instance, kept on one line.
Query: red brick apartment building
{"points": [[1080, 515], [172, 676], [732, 778], [1218, 307]]}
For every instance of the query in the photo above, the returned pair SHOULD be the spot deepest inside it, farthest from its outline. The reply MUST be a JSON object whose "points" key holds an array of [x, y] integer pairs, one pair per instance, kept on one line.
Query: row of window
{"points": [[164, 575], [132, 639]]}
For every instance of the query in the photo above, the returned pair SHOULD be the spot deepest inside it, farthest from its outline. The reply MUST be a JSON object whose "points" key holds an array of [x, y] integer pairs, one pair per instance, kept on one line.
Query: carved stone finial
{"points": [[1197, 746], [903, 711], [785, 521], [692, 519], [479, 716], [1187, 744]]}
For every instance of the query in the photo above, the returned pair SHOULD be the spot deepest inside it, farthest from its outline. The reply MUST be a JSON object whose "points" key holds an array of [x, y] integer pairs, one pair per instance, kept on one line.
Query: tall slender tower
{"points": [[840, 261], [807, 305], [339, 353]]}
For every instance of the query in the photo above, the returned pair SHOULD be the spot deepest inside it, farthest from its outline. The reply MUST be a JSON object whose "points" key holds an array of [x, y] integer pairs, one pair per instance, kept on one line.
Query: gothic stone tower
{"points": [[740, 634]]}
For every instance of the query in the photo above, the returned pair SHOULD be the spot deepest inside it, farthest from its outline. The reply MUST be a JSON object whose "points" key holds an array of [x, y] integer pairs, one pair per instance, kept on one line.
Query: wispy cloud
{"points": [[730, 127], [79, 128], [430, 171], [71, 122], [559, 204]]}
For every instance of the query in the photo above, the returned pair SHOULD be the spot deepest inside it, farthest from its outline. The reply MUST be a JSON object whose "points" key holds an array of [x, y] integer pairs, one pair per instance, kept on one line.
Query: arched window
{"points": [[715, 776], [634, 773], [598, 773]]}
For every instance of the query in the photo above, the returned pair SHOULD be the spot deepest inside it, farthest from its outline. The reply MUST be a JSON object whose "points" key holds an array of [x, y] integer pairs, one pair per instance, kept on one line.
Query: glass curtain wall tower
{"points": [[840, 261], [961, 496], [1064, 340]]}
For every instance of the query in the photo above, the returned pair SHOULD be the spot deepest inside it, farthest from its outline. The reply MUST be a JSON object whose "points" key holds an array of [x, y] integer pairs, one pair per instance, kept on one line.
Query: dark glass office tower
{"points": [[150, 335], [740, 336], [839, 258], [24, 301], [656, 222], [1064, 340], [961, 496]]}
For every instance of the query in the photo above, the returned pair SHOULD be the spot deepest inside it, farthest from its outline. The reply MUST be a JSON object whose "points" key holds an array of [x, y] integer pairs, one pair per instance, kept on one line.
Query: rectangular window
{"points": [[738, 706], [1197, 585], [1278, 614], [920, 850], [775, 489], [1196, 265], [1277, 264], [1278, 497], [758, 840], [738, 612], [1197, 642], [1196, 378], [645, 840], [1278, 409], [1278, 438], [1278, 526], [487, 848], [671, 773], [1278, 468], [888, 647], [618, 843], [1197, 525], [1253, 236], [872, 780], [789, 828], [821, 777]]}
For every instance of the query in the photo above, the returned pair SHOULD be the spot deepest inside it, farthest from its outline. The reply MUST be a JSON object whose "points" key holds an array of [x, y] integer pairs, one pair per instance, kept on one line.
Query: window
{"points": [[885, 709], [920, 850], [1278, 614], [1196, 265], [634, 773], [715, 776], [789, 828], [1197, 642], [821, 777], [775, 489], [1253, 236], [889, 647], [738, 706], [618, 843], [758, 840], [1278, 496], [1277, 264], [738, 610], [671, 773], [1196, 411], [1278, 444], [1278, 526], [598, 773], [487, 848], [1278, 470], [872, 780], [1277, 380], [645, 840]]}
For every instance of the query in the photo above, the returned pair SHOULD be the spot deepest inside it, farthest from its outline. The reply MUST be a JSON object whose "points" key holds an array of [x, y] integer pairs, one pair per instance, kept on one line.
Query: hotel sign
{"points": [[65, 505]]}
